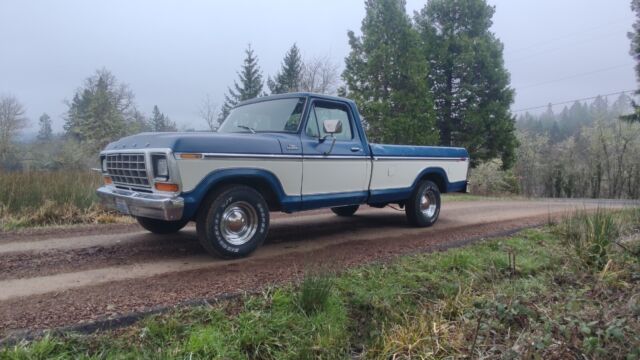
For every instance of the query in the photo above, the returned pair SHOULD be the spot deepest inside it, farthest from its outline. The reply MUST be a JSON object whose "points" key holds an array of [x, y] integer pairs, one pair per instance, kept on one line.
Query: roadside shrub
{"points": [[590, 236], [314, 292], [489, 178]]}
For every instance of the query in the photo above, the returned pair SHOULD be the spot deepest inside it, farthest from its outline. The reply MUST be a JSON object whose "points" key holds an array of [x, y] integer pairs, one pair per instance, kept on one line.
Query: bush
{"points": [[314, 292], [490, 179], [590, 236]]}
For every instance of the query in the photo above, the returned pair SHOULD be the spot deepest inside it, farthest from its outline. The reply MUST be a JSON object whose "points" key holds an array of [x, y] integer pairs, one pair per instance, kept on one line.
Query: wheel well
{"points": [[261, 186], [437, 179]]}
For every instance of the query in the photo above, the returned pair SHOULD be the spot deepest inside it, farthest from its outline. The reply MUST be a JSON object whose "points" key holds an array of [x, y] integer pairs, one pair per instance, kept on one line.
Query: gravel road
{"points": [[62, 277]]}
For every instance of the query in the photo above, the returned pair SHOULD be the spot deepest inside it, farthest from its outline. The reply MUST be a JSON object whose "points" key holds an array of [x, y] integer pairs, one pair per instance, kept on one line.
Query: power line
{"points": [[572, 101], [561, 48], [616, 23], [573, 76]]}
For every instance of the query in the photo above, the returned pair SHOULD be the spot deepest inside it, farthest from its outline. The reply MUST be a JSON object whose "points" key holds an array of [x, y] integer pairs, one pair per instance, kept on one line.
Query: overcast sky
{"points": [[173, 53]]}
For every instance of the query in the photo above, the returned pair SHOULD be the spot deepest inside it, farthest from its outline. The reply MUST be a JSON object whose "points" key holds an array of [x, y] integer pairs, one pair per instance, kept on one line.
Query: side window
{"points": [[329, 111], [312, 129]]}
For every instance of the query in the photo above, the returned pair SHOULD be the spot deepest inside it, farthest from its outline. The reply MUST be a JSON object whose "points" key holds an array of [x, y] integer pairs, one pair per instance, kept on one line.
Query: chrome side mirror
{"points": [[331, 127]]}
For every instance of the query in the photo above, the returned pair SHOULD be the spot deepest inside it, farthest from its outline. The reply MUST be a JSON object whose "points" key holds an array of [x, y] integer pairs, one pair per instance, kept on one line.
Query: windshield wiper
{"points": [[247, 128]]}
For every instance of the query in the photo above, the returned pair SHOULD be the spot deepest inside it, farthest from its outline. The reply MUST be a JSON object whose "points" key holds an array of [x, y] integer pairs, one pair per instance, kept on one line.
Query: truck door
{"points": [[333, 176]]}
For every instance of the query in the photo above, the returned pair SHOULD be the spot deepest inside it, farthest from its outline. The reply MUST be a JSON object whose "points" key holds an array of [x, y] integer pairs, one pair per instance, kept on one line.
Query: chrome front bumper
{"points": [[133, 203]]}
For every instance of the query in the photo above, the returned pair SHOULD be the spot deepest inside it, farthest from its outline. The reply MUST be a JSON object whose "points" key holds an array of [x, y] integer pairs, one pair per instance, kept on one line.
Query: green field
{"points": [[566, 291]]}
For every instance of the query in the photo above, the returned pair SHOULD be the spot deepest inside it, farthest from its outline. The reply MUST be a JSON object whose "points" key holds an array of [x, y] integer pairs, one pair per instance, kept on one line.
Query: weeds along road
{"points": [[63, 278]]}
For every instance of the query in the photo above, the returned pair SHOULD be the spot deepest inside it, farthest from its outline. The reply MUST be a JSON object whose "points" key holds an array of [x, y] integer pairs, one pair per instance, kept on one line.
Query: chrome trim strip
{"points": [[332, 157], [277, 156], [418, 158], [247, 156]]}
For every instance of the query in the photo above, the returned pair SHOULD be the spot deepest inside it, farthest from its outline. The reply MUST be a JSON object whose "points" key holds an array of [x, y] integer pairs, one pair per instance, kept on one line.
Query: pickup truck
{"points": [[288, 153]]}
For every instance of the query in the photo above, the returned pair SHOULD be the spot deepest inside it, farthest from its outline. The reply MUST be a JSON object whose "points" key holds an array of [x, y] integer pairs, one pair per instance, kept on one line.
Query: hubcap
{"points": [[428, 204], [239, 223]]}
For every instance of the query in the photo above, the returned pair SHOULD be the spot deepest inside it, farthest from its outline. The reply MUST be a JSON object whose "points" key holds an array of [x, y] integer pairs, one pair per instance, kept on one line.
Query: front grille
{"points": [[128, 169]]}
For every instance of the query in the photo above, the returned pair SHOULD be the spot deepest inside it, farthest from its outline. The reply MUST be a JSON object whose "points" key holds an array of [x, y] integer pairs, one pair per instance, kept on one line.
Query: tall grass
{"points": [[26, 191], [315, 291], [35, 198], [590, 235]]}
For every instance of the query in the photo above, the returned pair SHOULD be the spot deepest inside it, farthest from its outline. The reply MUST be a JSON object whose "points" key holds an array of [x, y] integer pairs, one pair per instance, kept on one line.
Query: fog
{"points": [[172, 54]]}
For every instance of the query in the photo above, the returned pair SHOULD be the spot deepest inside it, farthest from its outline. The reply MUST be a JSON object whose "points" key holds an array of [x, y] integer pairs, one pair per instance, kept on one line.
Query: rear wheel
{"points": [[423, 207], [345, 211], [233, 222], [161, 226]]}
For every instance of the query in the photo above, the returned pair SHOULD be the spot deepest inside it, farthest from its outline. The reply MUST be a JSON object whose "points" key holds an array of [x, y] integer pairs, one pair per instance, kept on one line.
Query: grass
{"points": [[527, 296], [41, 198]]}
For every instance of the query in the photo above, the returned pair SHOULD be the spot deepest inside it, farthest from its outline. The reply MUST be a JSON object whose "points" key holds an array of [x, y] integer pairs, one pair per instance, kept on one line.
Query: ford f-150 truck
{"points": [[288, 153]]}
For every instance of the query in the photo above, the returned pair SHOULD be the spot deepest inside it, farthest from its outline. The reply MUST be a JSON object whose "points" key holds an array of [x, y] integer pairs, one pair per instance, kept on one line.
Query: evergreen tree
{"points": [[634, 36], [386, 76], [160, 122], [139, 123], [469, 82], [290, 75], [46, 132], [250, 85], [100, 111]]}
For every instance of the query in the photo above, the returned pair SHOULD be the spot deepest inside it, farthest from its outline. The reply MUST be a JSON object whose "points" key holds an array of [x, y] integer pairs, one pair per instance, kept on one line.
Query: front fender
{"points": [[194, 198]]}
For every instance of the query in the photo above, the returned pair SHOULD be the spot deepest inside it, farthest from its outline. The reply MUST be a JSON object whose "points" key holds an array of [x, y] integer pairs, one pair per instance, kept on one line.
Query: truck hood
{"points": [[203, 142]]}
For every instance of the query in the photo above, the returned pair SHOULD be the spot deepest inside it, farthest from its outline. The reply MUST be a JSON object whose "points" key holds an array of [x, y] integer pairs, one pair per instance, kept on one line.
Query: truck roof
{"points": [[295, 94]]}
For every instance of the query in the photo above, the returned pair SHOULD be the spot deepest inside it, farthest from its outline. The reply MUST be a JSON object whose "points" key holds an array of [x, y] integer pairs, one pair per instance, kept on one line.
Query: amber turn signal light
{"points": [[107, 180], [167, 187], [191, 156]]}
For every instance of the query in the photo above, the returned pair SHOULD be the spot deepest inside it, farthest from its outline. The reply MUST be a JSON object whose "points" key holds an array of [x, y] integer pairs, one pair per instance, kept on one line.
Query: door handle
{"points": [[355, 149]]}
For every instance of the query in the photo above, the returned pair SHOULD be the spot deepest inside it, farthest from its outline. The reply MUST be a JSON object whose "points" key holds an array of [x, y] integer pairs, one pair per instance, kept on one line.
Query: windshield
{"points": [[282, 115]]}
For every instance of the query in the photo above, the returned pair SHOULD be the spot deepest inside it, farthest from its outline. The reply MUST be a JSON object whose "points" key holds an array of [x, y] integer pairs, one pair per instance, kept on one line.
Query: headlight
{"points": [[161, 168], [104, 165]]}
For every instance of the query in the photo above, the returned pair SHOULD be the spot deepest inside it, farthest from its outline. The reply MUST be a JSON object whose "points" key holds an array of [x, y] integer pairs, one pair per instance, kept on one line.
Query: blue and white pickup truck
{"points": [[288, 153]]}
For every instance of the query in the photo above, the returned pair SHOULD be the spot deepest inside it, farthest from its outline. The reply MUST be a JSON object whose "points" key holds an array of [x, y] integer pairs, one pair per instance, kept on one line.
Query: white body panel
{"points": [[327, 175], [311, 176], [287, 170], [400, 174]]}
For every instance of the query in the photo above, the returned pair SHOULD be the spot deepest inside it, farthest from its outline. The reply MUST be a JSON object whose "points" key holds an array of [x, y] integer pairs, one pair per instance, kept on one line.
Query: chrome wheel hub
{"points": [[428, 204], [239, 223]]}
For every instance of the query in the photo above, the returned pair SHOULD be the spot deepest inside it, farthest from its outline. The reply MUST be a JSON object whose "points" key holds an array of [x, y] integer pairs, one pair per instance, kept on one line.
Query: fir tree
{"points": [[100, 111], [290, 75], [634, 36], [386, 76], [46, 132], [468, 79], [159, 122], [250, 86]]}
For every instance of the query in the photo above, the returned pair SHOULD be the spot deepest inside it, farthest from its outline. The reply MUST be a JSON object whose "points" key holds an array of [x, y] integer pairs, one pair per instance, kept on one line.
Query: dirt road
{"points": [[65, 277]]}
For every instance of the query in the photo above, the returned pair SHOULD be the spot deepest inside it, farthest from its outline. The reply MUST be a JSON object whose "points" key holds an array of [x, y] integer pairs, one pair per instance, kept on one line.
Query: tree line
{"points": [[584, 151], [435, 78]]}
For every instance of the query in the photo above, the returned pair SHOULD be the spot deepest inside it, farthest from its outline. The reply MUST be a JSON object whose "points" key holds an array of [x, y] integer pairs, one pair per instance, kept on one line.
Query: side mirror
{"points": [[332, 126]]}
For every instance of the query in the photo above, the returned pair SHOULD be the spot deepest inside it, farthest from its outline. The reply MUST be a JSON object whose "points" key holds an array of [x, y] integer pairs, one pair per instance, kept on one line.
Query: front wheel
{"points": [[423, 207], [161, 226], [345, 211], [233, 222]]}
